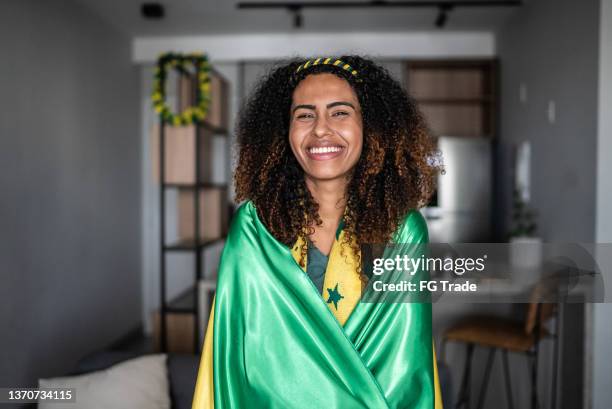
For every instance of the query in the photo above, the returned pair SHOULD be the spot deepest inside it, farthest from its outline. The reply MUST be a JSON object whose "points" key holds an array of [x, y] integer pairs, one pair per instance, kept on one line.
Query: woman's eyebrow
{"points": [[330, 105], [305, 106], [335, 104]]}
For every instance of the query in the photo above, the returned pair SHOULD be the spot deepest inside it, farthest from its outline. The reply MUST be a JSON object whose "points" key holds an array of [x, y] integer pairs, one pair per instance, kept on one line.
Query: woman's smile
{"points": [[325, 151]]}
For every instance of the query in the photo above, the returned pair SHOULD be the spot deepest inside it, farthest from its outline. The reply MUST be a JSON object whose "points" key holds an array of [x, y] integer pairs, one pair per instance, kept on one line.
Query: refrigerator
{"points": [[461, 209]]}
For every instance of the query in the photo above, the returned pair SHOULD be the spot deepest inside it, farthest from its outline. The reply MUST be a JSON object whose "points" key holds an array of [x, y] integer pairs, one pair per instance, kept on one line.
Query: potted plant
{"points": [[525, 245]]}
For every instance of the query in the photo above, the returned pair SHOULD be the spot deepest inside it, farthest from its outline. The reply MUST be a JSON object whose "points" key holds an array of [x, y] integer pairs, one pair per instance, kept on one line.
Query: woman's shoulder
{"points": [[242, 218], [246, 223], [413, 229], [245, 209]]}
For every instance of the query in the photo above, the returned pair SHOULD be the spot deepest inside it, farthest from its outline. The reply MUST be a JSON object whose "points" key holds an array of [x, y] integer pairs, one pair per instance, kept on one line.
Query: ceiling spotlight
{"points": [[152, 11], [442, 18]]}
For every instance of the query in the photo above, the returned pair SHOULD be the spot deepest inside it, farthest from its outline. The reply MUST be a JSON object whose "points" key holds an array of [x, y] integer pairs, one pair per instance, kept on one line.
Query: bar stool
{"points": [[507, 335]]}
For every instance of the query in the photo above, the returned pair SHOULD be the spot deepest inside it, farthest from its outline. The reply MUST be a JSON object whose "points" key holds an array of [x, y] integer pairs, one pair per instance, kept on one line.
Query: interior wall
{"points": [[602, 314], [70, 210], [549, 46], [549, 60]]}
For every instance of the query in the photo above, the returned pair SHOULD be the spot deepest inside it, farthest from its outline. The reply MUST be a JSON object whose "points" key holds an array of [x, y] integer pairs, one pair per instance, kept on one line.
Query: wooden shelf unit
{"points": [[183, 164], [457, 97]]}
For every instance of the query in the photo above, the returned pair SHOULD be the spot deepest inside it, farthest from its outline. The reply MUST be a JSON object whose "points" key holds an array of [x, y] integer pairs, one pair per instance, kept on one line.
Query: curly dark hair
{"points": [[395, 173]]}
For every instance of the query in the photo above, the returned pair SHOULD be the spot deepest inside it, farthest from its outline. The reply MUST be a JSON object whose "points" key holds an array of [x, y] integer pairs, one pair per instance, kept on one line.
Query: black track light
{"points": [[443, 15], [152, 11], [297, 16], [443, 6]]}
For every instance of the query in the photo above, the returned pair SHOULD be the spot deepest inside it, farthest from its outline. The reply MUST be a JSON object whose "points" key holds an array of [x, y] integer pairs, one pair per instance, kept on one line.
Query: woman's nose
{"points": [[321, 128]]}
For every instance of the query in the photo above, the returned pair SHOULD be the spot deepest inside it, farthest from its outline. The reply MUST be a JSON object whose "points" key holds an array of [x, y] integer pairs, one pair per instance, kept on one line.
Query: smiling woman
{"points": [[326, 137], [333, 155]]}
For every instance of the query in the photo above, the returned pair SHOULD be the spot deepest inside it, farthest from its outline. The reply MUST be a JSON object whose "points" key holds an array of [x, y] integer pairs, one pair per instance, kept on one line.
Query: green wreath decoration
{"points": [[191, 115]]}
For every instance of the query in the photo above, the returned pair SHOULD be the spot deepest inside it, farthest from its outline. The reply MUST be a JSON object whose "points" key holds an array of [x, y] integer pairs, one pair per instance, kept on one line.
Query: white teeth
{"points": [[326, 149]]}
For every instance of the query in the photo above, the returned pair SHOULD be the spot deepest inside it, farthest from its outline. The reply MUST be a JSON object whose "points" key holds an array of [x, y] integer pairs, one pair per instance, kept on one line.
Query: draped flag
{"points": [[273, 341]]}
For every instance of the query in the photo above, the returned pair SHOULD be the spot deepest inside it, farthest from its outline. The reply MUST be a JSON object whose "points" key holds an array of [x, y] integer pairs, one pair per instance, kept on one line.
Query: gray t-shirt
{"points": [[317, 263]]}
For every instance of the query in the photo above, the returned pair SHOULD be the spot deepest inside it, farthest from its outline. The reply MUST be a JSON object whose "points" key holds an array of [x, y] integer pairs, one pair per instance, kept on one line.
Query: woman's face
{"points": [[326, 131]]}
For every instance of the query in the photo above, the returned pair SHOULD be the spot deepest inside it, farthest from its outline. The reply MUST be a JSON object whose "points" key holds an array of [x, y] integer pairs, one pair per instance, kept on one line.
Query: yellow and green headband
{"points": [[328, 61]]}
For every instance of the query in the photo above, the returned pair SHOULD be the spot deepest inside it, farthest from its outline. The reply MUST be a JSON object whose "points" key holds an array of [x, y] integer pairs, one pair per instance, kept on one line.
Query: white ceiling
{"points": [[193, 17]]}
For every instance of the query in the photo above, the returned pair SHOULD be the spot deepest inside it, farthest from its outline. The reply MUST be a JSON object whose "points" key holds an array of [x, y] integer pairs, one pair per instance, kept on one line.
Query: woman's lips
{"points": [[324, 152]]}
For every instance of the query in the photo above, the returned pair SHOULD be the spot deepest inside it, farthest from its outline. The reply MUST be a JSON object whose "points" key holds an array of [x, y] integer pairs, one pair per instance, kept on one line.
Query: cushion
{"points": [[138, 383]]}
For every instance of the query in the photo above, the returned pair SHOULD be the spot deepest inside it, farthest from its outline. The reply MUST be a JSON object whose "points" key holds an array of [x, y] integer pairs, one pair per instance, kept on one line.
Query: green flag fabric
{"points": [[276, 344]]}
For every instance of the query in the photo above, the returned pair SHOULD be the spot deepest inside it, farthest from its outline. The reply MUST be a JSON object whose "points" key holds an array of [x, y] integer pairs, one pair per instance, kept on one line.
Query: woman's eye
{"points": [[304, 116], [340, 113]]}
